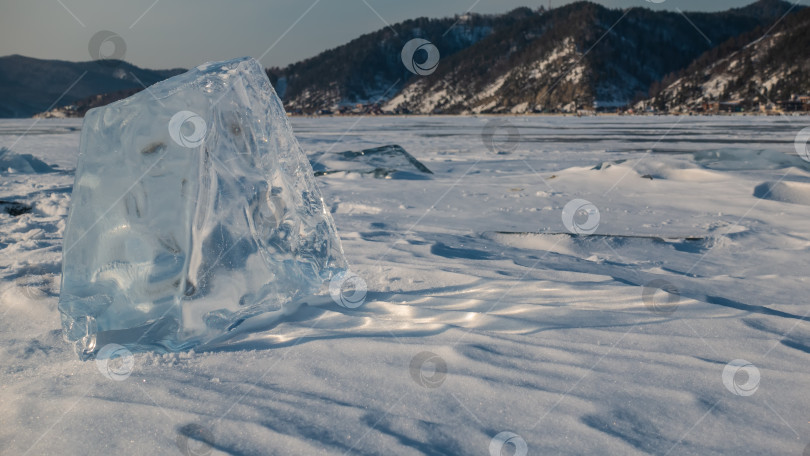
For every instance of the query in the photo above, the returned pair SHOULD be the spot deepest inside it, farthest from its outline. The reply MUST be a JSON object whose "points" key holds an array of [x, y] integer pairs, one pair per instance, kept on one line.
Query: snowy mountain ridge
{"points": [[763, 68], [577, 56], [423, 98]]}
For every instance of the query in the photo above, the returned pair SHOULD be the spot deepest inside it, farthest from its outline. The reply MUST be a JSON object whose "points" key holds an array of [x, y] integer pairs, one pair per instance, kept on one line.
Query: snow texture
{"points": [[484, 317]]}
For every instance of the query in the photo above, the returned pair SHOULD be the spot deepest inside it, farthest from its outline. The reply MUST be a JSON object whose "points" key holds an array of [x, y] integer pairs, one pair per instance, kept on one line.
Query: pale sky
{"points": [[185, 33]]}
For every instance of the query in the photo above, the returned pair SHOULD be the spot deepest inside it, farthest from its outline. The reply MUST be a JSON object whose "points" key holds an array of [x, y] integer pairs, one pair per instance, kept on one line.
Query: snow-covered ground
{"points": [[482, 315]]}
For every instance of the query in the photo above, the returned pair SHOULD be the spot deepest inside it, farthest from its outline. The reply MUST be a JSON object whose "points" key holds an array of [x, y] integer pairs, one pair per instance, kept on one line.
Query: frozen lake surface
{"points": [[483, 313]]}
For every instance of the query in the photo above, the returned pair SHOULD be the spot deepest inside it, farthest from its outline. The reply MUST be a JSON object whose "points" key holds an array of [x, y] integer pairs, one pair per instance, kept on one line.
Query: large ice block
{"points": [[193, 208]]}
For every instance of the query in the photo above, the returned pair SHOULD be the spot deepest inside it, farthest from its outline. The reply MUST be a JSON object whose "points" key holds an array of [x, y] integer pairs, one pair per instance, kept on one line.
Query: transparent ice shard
{"points": [[381, 162], [193, 208]]}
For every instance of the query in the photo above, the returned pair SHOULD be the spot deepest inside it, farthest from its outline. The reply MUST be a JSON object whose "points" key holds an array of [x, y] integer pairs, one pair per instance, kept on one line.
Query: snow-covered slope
{"points": [[527, 329], [560, 69], [768, 68], [579, 54]]}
